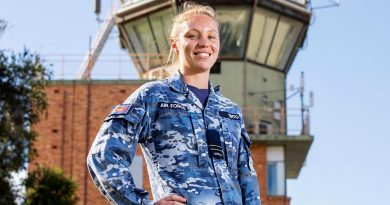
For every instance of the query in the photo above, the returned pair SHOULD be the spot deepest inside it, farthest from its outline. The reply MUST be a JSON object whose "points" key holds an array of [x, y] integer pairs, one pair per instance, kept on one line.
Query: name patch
{"points": [[229, 115], [171, 106]]}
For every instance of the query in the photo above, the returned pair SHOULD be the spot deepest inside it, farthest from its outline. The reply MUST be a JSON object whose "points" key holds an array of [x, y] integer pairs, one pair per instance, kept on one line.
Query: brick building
{"points": [[76, 111]]}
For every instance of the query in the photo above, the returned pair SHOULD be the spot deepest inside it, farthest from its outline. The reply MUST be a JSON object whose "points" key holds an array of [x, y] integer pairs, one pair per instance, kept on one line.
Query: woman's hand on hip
{"points": [[171, 200]]}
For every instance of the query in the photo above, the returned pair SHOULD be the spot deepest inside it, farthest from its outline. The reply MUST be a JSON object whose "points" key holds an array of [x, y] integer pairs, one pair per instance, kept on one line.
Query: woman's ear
{"points": [[174, 45]]}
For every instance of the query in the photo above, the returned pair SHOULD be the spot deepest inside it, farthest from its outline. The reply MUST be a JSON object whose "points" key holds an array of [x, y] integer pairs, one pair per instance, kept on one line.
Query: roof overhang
{"points": [[296, 149]]}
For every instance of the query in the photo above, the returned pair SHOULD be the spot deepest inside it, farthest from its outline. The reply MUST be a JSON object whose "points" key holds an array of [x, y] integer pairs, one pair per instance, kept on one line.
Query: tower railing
{"points": [[276, 121]]}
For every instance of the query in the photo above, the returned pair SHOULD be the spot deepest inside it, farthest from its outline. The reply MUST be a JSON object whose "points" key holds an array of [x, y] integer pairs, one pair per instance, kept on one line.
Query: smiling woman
{"points": [[197, 46], [193, 138], [194, 37]]}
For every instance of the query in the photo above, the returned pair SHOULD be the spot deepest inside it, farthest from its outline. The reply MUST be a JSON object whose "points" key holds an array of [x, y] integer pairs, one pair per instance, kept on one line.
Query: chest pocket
{"points": [[231, 129], [173, 137]]}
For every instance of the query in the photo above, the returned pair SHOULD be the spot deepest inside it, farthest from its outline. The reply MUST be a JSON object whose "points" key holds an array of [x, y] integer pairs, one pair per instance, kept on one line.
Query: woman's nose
{"points": [[204, 42]]}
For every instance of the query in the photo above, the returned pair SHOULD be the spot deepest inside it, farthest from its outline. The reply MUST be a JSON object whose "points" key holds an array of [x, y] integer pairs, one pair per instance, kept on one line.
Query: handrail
{"points": [[66, 65], [273, 121]]}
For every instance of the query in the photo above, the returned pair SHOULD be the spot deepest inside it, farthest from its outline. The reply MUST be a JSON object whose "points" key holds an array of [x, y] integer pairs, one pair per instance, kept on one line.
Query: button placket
{"points": [[229, 130], [200, 141]]}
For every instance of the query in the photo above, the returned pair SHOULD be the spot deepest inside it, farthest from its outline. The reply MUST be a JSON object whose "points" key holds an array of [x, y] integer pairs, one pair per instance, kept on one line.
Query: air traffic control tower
{"points": [[259, 41]]}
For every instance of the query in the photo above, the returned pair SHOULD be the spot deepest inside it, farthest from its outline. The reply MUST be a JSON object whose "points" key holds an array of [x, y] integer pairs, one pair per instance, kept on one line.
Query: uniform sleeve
{"points": [[112, 153], [246, 172]]}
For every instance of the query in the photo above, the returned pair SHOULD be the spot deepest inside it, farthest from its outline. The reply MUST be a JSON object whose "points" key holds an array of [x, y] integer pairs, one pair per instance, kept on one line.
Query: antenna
{"points": [[97, 7], [302, 90], [311, 97], [332, 3]]}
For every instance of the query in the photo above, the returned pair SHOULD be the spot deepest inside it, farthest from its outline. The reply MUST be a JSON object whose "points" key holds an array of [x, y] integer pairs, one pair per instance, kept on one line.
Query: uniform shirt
{"points": [[170, 123], [201, 94]]}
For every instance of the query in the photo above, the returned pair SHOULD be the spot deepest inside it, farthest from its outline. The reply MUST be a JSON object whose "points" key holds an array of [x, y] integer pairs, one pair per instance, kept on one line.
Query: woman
{"points": [[193, 138]]}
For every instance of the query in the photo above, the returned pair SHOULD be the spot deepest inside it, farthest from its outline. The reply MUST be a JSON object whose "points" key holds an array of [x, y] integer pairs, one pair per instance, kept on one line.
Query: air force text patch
{"points": [[229, 115], [171, 106]]}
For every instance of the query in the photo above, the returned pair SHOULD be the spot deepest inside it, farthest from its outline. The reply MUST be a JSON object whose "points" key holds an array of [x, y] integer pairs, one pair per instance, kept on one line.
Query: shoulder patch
{"points": [[120, 109], [229, 115], [129, 112]]}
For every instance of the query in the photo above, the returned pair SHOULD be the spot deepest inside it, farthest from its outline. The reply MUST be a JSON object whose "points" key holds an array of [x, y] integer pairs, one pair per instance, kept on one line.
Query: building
{"points": [[259, 41]]}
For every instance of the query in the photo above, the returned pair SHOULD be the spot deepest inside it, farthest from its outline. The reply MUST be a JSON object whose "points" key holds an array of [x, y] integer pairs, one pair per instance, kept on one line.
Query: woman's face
{"points": [[196, 43]]}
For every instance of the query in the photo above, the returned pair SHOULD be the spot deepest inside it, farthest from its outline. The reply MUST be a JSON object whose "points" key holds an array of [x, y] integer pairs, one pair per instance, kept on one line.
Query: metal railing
{"points": [[121, 65], [276, 120], [109, 66]]}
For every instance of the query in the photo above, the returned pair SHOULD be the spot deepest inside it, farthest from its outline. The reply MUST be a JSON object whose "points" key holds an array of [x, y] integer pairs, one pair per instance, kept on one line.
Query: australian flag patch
{"points": [[120, 109]]}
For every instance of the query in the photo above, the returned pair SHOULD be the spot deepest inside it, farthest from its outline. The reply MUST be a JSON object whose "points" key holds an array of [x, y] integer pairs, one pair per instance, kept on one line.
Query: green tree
{"points": [[23, 77], [49, 186]]}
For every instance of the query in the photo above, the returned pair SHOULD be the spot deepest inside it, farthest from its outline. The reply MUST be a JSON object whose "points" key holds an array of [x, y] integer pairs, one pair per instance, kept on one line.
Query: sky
{"points": [[346, 65]]}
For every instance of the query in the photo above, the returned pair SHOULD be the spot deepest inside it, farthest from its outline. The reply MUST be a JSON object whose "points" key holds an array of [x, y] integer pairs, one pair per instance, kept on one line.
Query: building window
{"points": [[233, 30], [161, 22], [273, 38], [148, 37], [276, 179], [286, 35], [263, 26], [272, 179]]}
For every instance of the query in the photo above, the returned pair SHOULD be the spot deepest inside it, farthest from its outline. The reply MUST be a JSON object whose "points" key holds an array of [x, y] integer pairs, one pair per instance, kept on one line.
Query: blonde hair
{"points": [[187, 9]]}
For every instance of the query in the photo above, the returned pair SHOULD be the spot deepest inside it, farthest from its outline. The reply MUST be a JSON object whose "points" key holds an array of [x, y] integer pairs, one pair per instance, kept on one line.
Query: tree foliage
{"points": [[7, 196], [22, 99], [49, 186], [23, 77]]}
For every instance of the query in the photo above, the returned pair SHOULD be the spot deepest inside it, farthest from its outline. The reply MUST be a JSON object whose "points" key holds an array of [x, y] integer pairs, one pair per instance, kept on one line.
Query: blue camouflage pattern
{"points": [[170, 123]]}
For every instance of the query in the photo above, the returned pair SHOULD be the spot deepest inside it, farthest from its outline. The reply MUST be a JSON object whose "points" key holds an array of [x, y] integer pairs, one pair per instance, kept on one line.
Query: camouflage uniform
{"points": [[172, 126]]}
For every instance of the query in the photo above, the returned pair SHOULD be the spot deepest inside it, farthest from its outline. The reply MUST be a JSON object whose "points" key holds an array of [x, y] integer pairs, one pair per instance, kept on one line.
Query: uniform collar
{"points": [[177, 83]]}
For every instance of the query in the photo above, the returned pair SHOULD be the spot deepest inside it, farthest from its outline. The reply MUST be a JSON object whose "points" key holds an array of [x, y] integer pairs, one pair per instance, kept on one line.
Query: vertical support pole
{"points": [[302, 89], [283, 118], [63, 130]]}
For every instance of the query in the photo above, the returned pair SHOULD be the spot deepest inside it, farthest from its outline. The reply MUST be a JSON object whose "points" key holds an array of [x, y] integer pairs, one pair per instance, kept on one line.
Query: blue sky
{"points": [[346, 65]]}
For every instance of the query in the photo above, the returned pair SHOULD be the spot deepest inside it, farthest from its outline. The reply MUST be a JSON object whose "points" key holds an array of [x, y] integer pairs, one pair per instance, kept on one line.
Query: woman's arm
{"points": [[246, 173], [113, 151]]}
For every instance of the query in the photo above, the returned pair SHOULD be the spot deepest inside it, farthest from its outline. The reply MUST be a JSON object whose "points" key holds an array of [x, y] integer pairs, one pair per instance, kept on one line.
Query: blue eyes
{"points": [[193, 36], [197, 36]]}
